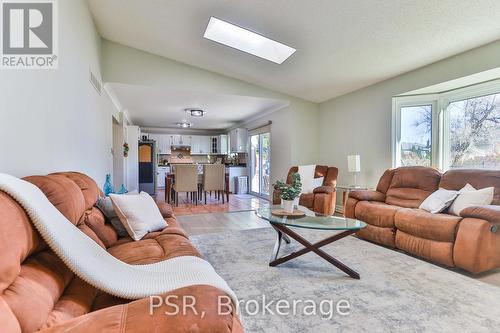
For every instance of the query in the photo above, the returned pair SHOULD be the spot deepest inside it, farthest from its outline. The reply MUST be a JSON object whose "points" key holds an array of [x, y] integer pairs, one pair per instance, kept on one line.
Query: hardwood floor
{"points": [[237, 203]]}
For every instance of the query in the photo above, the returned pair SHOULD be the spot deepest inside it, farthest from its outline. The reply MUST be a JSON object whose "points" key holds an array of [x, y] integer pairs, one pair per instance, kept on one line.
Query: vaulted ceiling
{"points": [[342, 45]]}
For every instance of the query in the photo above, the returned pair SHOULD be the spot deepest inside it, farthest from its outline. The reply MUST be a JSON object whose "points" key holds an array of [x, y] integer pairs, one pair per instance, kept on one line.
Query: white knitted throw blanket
{"points": [[95, 265]]}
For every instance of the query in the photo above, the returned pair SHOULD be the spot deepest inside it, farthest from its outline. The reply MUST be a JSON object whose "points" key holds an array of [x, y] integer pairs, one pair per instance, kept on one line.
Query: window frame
{"points": [[440, 157]]}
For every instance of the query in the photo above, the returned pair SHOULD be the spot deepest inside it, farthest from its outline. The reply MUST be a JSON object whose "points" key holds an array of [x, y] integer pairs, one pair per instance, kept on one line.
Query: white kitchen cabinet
{"points": [[222, 145], [200, 145], [195, 145], [238, 140], [234, 172], [163, 144]]}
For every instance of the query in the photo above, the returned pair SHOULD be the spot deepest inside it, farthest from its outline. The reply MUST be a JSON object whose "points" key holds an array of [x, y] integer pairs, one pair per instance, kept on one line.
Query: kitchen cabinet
{"points": [[234, 172], [200, 145], [163, 142], [218, 144], [238, 140], [181, 140]]}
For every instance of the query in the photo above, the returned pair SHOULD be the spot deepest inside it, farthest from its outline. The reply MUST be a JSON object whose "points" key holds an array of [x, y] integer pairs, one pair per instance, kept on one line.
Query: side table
{"points": [[346, 189]]}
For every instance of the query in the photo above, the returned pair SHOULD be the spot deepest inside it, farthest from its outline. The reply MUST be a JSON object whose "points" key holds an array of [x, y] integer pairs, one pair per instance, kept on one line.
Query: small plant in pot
{"points": [[289, 192]]}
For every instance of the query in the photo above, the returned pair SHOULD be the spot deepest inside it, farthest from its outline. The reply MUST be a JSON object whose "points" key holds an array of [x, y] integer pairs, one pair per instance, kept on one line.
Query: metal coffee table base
{"points": [[285, 232]]}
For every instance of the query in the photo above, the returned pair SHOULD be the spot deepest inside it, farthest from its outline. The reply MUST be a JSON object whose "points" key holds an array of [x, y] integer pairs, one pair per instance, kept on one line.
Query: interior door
{"points": [[260, 164]]}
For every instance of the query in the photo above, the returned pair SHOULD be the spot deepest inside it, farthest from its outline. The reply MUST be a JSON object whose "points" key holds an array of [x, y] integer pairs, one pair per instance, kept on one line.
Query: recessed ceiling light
{"points": [[196, 112], [184, 125], [247, 41]]}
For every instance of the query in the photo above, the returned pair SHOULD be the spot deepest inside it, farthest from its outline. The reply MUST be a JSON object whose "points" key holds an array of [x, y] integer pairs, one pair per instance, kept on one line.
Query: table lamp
{"points": [[354, 166]]}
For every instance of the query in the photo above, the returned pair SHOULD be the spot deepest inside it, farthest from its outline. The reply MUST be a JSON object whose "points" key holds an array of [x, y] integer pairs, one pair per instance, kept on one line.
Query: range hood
{"points": [[180, 147]]}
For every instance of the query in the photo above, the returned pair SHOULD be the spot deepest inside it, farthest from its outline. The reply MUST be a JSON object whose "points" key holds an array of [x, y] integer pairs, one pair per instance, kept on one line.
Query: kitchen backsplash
{"points": [[242, 158]]}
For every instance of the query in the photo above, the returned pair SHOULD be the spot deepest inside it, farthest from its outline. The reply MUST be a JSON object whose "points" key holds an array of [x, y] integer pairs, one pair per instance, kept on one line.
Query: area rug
{"points": [[396, 292]]}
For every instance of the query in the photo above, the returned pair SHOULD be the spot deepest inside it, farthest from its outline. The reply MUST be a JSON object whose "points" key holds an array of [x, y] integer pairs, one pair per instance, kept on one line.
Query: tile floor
{"points": [[237, 203]]}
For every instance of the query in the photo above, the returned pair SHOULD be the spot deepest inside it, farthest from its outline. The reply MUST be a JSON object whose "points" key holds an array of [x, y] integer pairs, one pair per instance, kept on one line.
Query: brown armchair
{"points": [[323, 198]]}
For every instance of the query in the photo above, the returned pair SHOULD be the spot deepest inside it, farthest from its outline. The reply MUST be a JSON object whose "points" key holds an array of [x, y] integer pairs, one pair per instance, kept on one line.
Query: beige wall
{"points": [[295, 128], [55, 120], [360, 122]]}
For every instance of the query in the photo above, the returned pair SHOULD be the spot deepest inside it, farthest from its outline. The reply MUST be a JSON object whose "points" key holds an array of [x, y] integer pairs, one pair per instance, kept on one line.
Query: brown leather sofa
{"points": [[470, 241], [39, 293], [323, 199]]}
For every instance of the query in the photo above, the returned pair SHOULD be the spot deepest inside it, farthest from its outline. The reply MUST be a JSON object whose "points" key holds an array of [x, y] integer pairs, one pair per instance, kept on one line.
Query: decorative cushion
{"points": [[120, 229], [139, 214], [469, 196], [317, 182], [306, 173], [438, 201]]}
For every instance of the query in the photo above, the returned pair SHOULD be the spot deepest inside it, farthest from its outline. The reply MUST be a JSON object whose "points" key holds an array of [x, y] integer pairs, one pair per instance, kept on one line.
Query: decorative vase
{"points": [[108, 186], [296, 202], [288, 206], [122, 190]]}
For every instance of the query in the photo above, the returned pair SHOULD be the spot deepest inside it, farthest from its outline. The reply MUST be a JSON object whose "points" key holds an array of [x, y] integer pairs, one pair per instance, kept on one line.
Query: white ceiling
{"points": [[162, 108], [342, 45]]}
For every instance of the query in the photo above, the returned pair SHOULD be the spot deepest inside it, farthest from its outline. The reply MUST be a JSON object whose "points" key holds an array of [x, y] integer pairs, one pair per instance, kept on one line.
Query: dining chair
{"points": [[214, 176], [186, 180]]}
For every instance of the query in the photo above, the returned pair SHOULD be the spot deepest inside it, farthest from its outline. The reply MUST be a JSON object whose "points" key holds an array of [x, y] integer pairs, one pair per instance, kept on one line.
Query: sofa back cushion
{"points": [[457, 179], [32, 277], [411, 185]]}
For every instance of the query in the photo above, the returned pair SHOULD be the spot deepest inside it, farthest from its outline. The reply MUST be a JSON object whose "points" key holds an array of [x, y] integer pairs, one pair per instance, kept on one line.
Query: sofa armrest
{"points": [[324, 189], [366, 195], [140, 316], [165, 209], [490, 213]]}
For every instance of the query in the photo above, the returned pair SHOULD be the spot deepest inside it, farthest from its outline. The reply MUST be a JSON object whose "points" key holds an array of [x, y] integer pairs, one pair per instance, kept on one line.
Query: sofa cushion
{"points": [[457, 179], [94, 218], [63, 193], [411, 185], [169, 243], [417, 222], [376, 213], [87, 185], [439, 252]]}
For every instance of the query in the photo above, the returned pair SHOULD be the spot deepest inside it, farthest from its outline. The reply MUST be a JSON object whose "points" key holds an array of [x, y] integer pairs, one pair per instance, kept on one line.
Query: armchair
{"points": [[323, 198]]}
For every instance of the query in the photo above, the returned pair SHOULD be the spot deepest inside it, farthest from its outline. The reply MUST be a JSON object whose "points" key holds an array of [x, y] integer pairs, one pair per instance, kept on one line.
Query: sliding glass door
{"points": [[260, 164]]}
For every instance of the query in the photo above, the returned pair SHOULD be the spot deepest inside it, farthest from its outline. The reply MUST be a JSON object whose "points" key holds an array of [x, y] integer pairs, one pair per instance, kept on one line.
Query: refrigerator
{"points": [[147, 166]]}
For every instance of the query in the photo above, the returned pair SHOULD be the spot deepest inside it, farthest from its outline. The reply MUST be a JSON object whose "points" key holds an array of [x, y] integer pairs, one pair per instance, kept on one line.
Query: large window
{"points": [[457, 129], [416, 135]]}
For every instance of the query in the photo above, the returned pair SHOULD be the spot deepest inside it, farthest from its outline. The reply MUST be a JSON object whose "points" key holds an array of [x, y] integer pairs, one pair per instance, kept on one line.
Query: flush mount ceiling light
{"points": [[196, 112], [247, 41], [184, 125]]}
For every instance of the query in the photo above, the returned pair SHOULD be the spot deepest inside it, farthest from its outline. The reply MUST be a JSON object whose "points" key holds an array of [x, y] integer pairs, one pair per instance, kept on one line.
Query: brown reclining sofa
{"points": [[322, 200], [40, 293], [470, 241]]}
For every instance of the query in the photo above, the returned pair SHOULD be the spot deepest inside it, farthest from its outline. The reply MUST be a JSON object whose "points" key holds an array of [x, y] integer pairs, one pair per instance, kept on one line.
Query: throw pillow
{"points": [[438, 201], [469, 196], [106, 207], [139, 214], [317, 182], [306, 173], [118, 226]]}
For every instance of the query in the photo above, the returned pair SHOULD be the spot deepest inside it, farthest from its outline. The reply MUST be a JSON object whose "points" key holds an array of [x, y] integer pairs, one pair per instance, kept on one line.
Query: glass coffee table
{"points": [[311, 220]]}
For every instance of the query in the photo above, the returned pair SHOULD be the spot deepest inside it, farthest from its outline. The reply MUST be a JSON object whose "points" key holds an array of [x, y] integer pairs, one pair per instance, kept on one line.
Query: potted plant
{"points": [[288, 192]]}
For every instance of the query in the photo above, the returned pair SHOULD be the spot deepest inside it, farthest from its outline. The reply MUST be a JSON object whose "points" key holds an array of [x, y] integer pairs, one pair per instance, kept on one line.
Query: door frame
{"points": [[260, 163]]}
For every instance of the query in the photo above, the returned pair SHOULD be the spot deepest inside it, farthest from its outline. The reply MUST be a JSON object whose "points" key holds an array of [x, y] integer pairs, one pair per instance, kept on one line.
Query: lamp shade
{"points": [[354, 163]]}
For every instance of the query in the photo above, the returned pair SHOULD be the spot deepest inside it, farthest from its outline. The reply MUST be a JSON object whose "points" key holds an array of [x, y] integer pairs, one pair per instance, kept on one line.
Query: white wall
{"points": [[295, 130], [360, 122], [55, 120]]}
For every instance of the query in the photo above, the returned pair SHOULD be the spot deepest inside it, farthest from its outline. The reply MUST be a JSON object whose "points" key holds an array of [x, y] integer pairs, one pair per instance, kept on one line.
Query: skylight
{"points": [[247, 41]]}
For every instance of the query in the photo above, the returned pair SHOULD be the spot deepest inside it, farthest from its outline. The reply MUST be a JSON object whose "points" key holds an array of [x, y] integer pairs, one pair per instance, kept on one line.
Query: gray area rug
{"points": [[396, 293]]}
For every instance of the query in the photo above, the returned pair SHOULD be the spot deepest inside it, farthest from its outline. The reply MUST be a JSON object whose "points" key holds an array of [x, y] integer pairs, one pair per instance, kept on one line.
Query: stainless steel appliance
{"points": [[147, 166]]}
